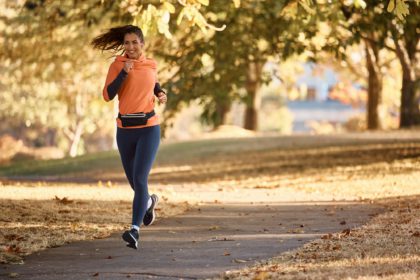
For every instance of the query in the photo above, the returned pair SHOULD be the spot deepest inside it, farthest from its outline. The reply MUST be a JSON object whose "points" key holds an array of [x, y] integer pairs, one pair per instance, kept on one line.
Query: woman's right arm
{"points": [[113, 82]]}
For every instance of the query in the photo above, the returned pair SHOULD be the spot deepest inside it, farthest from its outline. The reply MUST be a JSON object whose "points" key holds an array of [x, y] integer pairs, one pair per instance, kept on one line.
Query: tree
{"points": [[376, 28], [406, 40], [219, 67], [265, 30], [52, 76], [369, 24]]}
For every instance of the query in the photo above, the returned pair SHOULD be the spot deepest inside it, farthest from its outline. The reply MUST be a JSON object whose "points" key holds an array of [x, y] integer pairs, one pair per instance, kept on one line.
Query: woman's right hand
{"points": [[128, 65]]}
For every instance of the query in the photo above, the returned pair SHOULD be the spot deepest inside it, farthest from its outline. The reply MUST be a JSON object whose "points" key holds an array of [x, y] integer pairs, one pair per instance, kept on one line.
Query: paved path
{"points": [[203, 242]]}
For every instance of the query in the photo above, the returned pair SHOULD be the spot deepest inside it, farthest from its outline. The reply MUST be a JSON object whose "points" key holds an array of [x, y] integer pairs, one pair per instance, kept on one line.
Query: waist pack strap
{"points": [[141, 115]]}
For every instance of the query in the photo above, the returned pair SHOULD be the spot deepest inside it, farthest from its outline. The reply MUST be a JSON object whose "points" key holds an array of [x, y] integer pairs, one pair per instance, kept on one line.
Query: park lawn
{"points": [[88, 166], [94, 201], [103, 165]]}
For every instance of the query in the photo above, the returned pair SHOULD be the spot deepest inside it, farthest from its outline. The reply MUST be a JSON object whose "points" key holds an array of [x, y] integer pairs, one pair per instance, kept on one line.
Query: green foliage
{"points": [[214, 67], [155, 17], [52, 78], [399, 7]]}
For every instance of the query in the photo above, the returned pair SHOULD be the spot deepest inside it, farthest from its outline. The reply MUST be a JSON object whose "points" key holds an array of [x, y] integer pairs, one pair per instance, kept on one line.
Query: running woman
{"points": [[133, 77]]}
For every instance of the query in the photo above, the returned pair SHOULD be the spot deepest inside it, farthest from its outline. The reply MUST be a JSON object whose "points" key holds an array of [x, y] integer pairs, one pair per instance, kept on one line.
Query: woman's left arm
{"points": [[158, 89], [160, 93]]}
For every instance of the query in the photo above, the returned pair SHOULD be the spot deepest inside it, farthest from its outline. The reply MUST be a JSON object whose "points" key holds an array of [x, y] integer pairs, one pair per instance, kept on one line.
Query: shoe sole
{"points": [[153, 210], [131, 241]]}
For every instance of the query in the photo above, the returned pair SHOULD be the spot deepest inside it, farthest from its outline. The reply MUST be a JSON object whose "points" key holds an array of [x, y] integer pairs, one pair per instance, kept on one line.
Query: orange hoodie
{"points": [[136, 92]]}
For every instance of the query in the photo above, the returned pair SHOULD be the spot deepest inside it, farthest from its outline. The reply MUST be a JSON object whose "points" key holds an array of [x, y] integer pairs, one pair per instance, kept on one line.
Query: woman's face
{"points": [[133, 46]]}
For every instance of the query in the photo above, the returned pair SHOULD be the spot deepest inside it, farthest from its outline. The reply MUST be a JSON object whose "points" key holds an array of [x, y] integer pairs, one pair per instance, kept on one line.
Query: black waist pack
{"points": [[135, 119]]}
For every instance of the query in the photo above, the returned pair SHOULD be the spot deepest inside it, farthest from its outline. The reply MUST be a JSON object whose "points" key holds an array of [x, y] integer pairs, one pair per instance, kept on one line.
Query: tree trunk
{"points": [[410, 92], [374, 86], [221, 114], [410, 99], [77, 135], [252, 100]]}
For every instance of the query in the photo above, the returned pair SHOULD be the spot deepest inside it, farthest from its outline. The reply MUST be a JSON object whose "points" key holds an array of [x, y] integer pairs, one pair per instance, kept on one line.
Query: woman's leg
{"points": [[126, 142], [146, 150]]}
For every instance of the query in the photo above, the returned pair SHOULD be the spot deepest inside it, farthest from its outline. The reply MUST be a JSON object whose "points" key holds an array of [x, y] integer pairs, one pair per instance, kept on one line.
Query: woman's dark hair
{"points": [[113, 39]]}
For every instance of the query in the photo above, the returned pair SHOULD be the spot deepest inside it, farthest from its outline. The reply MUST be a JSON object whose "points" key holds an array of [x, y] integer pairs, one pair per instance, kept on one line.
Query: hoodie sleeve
{"points": [[113, 82]]}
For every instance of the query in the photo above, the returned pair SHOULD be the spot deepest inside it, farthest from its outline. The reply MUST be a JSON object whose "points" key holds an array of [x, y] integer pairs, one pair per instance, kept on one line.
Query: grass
{"points": [[181, 153], [66, 166], [106, 161]]}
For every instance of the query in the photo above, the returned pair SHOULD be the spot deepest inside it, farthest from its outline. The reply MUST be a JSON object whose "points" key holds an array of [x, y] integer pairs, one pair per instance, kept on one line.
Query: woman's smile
{"points": [[132, 45]]}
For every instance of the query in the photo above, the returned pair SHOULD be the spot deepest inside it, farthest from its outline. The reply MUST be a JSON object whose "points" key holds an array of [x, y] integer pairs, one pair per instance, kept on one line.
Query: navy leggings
{"points": [[138, 148]]}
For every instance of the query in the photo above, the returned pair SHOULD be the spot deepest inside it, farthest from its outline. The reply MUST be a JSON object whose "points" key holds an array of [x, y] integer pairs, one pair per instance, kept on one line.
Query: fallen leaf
{"points": [[342, 222], [416, 234], [239, 261], [346, 231], [12, 237], [214, 228], [63, 200], [327, 236], [330, 213], [13, 249], [261, 276], [226, 253], [220, 239], [296, 230], [96, 274]]}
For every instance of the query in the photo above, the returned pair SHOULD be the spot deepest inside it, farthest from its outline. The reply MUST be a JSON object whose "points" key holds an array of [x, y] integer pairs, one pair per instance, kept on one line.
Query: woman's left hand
{"points": [[162, 97]]}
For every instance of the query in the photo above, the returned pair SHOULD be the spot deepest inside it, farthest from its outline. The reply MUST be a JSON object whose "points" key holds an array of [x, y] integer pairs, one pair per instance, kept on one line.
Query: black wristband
{"points": [[158, 89]]}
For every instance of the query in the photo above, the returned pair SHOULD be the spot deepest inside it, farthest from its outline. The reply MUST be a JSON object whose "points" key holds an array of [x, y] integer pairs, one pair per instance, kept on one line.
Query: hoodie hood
{"points": [[141, 62]]}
